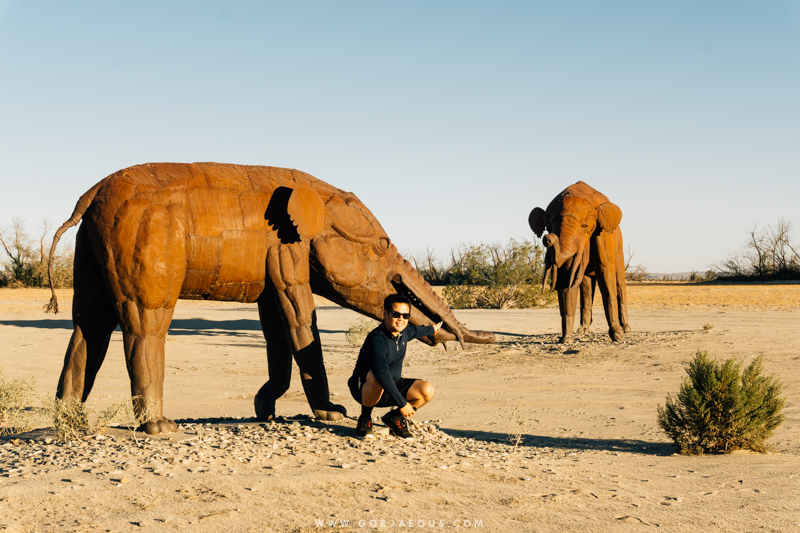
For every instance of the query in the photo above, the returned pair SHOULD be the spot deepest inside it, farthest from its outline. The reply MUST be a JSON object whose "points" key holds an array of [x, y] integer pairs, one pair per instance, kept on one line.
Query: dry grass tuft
{"points": [[519, 425], [69, 416], [72, 418], [15, 397], [356, 333]]}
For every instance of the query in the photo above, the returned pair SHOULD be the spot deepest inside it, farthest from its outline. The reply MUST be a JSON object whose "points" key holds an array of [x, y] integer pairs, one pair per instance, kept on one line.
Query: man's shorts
{"points": [[403, 385]]}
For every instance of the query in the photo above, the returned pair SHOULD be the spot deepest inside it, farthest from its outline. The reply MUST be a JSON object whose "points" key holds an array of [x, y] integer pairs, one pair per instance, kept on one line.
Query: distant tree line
{"points": [[496, 276], [768, 254], [23, 259]]}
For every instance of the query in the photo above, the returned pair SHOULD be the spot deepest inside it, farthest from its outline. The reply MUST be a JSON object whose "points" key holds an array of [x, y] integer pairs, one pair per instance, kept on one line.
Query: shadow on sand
{"points": [[639, 447], [631, 446], [179, 326]]}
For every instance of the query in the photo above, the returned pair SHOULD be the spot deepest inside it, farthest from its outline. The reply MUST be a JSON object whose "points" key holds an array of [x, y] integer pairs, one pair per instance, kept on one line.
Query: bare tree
{"points": [[767, 253], [634, 272], [25, 265], [428, 265]]}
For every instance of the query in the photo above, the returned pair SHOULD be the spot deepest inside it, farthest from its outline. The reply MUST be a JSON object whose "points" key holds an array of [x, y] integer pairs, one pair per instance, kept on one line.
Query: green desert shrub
{"points": [[719, 408], [15, 397], [496, 276]]}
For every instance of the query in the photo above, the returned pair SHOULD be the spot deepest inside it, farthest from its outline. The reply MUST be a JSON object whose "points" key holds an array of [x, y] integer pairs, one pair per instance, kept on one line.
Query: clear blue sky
{"points": [[450, 120]]}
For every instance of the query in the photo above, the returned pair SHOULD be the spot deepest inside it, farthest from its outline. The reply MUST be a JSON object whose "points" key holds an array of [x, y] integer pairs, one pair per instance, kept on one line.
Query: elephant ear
{"points": [[608, 216], [536, 220], [307, 212]]}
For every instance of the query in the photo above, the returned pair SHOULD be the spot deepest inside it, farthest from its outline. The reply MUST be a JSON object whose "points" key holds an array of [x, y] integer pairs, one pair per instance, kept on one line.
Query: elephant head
{"points": [[571, 219], [354, 263]]}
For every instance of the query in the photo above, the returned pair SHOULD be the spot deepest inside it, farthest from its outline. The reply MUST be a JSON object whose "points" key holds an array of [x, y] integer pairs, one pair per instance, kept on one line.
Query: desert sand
{"points": [[591, 458]]}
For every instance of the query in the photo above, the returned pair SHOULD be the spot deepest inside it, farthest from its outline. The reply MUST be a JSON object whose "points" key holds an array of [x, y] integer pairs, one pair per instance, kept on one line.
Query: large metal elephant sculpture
{"points": [[154, 233], [584, 247]]}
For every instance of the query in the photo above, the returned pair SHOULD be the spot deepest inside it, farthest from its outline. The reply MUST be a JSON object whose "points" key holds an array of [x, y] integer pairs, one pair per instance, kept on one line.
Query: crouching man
{"points": [[377, 379]]}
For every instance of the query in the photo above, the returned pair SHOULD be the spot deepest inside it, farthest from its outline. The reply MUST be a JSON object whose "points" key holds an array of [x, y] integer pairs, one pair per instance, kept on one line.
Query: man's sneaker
{"points": [[364, 428], [398, 425]]}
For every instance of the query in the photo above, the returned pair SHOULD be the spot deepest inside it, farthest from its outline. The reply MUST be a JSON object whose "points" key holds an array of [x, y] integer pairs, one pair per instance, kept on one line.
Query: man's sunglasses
{"points": [[406, 316]]}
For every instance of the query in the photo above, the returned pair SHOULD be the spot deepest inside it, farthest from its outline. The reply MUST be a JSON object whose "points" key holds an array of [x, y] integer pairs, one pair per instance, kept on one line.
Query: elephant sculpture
{"points": [[154, 233], [584, 247]]}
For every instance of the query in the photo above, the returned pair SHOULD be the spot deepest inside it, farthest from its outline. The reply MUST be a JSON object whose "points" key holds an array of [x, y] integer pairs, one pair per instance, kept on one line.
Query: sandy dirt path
{"points": [[592, 457]]}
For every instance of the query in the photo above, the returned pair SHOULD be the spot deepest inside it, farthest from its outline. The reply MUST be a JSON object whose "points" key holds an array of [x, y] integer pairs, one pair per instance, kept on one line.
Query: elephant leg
{"points": [[587, 299], [94, 319], [622, 292], [567, 304], [623, 308], [143, 334], [146, 279], [287, 267], [315, 379], [279, 357], [608, 288]]}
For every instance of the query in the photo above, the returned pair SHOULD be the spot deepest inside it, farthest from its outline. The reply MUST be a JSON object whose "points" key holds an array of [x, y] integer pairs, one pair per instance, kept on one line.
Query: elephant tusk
{"points": [[584, 262], [577, 259]]}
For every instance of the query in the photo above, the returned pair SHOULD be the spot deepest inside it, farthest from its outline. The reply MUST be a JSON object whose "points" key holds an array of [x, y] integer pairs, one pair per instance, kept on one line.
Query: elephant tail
{"points": [[77, 214]]}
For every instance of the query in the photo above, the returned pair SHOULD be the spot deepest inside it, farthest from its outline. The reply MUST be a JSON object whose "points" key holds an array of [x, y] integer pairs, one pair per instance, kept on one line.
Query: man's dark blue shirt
{"points": [[384, 354]]}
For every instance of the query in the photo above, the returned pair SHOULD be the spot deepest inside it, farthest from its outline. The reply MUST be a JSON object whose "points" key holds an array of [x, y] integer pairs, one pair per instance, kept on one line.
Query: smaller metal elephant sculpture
{"points": [[584, 247]]}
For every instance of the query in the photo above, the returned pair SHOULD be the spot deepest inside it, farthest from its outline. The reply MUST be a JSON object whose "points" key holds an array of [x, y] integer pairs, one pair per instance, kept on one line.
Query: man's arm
{"points": [[417, 332]]}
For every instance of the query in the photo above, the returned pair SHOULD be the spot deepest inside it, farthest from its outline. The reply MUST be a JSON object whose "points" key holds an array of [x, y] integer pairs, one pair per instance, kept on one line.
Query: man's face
{"points": [[396, 325]]}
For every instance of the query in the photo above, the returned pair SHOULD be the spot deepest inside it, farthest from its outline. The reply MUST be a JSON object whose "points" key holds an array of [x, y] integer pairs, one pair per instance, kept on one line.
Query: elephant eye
{"points": [[381, 246]]}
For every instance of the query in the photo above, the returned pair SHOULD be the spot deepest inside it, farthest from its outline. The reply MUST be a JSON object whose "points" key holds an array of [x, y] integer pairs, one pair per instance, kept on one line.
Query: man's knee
{"points": [[371, 391], [426, 390]]}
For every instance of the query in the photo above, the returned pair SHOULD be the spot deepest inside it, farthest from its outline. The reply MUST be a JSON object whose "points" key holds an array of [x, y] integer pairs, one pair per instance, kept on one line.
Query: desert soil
{"points": [[591, 456]]}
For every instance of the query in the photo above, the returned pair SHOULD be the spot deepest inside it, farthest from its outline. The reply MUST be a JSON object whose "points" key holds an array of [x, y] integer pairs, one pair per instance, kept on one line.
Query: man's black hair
{"points": [[392, 299]]}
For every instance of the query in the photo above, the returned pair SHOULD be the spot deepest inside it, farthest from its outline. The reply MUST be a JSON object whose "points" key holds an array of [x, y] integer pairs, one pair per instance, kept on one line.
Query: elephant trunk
{"points": [[433, 308], [550, 269], [579, 264], [563, 249]]}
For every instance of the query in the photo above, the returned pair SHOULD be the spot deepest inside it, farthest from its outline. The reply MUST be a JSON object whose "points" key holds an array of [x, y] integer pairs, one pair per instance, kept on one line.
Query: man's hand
{"points": [[436, 327], [407, 410]]}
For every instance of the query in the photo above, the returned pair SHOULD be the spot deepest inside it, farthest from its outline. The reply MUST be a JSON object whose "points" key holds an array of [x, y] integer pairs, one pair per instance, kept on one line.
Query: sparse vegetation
{"points": [[15, 398], [496, 277], [69, 417], [519, 425], [699, 277], [721, 409], [634, 272], [429, 266], [708, 327], [72, 418], [768, 254], [356, 333], [26, 260]]}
